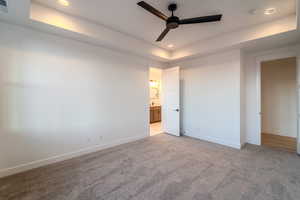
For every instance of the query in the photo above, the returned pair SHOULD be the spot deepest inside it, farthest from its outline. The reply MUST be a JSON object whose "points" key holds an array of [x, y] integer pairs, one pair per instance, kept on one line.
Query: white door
{"points": [[170, 101], [298, 87]]}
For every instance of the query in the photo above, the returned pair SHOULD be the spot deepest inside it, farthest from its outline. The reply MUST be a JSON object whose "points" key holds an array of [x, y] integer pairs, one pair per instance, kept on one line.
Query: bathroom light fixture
{"points": [[64, 2], [153, 84], [154, 89], [269, 11]]}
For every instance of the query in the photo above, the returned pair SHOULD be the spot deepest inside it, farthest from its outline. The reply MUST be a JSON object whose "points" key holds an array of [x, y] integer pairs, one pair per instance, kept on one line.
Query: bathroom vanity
{"points": [[155, 114]]}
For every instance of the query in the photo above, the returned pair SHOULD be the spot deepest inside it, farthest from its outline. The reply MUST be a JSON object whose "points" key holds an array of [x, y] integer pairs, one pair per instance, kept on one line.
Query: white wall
{"points": [[252, 87], [279, 97], [209, 93], [243, 100], [210, 101], [298, 87], [60, 98]]}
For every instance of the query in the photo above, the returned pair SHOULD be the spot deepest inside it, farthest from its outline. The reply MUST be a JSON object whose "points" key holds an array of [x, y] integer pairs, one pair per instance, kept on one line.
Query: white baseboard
{"points": [[216, 140], [55, 159]]}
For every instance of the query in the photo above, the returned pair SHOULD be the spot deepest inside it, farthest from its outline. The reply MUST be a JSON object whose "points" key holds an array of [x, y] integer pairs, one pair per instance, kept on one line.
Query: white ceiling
{"points": [[126, 17]]}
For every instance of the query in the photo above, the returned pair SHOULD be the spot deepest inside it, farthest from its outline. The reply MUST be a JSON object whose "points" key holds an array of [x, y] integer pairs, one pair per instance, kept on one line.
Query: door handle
{"points": [[177, 110]]}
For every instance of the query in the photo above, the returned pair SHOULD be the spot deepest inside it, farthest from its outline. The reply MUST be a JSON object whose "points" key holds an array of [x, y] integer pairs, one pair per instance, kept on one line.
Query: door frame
{"points": [[275, 56], [149, 97]]}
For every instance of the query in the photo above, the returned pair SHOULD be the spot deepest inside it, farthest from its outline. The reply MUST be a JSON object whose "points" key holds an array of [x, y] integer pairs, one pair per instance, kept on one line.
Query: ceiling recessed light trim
{"points": [[64, 2], [270, 11]]}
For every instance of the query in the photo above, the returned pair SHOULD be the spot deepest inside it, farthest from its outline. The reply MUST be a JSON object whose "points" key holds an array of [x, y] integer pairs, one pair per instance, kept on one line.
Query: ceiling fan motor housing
{"points": [[172, 22], [172, 7]]}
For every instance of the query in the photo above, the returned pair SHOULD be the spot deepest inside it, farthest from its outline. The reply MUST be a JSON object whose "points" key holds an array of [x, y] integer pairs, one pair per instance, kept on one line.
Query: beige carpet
{"points": [[163, 167]]}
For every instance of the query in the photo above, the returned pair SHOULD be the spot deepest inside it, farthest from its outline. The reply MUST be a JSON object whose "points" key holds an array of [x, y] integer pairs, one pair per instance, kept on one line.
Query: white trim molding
{"points": [[55, 159], [217, 141], [34, 15], [280, 53]]}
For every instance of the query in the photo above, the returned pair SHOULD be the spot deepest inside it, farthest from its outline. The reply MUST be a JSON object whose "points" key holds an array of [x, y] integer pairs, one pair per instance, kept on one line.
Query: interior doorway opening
{"points": [[155, 104], [279, 103]]}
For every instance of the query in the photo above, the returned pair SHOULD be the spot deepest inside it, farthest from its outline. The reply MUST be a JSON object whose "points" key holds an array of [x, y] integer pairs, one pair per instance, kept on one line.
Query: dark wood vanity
{"points": [[155, 114]]}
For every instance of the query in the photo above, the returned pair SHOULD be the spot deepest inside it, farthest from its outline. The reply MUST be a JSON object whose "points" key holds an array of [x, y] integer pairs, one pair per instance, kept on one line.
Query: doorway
{"points": [[164, 100], [279, 103], [155, 88]]}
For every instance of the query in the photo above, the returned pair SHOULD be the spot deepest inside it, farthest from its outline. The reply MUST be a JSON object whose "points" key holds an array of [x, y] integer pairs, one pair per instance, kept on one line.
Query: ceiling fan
{"points": [[174, 21]]}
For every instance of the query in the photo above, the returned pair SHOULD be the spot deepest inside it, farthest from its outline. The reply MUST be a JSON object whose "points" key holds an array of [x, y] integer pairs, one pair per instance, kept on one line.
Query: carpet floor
{"points": [[163, 167]]}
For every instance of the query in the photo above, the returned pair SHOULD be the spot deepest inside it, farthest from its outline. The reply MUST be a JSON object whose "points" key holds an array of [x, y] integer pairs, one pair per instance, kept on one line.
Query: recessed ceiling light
{"points": [[269, 11], [170, 45], [64, 2]]}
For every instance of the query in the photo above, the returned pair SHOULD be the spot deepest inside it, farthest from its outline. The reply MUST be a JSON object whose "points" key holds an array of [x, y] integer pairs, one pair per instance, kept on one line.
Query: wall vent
{"points": [[3, 6]]}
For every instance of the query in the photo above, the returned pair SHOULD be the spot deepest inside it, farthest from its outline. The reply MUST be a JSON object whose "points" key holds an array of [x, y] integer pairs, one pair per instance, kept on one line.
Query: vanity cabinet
{"points": [[155, 114]]}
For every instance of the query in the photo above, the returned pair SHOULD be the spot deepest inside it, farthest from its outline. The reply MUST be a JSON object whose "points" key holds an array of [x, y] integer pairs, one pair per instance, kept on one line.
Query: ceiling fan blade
{"points": [[212, 18], [154, 11], [162, 35]]}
